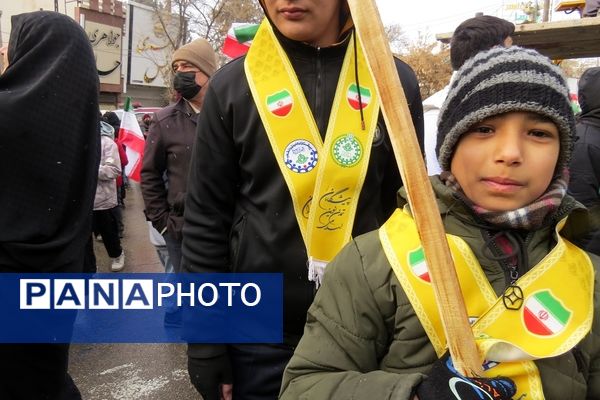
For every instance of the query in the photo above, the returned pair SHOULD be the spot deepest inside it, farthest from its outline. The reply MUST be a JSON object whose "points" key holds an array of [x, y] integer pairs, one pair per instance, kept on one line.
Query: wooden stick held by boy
{"points": [[422, 200]]}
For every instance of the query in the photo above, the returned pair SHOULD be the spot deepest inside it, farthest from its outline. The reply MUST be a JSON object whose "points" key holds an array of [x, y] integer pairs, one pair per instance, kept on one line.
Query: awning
{"points": [[577, 38]]}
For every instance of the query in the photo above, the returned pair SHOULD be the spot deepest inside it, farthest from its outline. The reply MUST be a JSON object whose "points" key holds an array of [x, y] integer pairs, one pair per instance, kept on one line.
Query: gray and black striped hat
{"points": [[501, 80]]}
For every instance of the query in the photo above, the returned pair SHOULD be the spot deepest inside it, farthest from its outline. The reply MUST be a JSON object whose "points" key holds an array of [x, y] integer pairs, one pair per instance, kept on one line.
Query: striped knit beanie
{"points": [[501, 80]]}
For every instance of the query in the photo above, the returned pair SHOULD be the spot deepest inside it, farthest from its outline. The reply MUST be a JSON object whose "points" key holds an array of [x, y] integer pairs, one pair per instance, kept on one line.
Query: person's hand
{"points": [[226, 392], [212, 377], [445, 383], [179, 203], [3, 58]]}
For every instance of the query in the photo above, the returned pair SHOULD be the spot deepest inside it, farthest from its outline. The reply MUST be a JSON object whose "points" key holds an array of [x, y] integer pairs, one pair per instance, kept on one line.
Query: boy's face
{"points": [[312, 21], [507, 161]]}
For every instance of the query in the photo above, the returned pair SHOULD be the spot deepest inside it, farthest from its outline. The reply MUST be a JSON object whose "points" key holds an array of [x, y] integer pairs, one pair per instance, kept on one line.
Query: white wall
{"points": [[14, 7]]}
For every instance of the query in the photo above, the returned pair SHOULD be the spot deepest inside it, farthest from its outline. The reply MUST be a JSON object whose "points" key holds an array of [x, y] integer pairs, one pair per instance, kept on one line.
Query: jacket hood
{"points": [[589, 95], [107, 130], [345, 18]]}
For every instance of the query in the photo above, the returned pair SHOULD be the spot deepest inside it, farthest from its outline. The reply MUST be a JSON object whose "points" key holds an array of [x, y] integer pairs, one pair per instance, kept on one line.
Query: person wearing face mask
{"points": [[169, 145]]}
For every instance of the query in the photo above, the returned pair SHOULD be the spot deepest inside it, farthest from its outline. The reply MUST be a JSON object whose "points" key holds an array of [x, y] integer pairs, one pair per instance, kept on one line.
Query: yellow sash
{"points": [[333, 172], [555, 314]]}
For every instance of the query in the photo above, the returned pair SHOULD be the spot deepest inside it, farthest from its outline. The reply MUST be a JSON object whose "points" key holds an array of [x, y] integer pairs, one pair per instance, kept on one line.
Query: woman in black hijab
{"points": [[49, 154]]}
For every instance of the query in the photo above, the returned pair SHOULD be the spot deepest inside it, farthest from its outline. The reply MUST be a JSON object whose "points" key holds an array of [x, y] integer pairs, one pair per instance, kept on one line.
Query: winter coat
{"points": [[239, 214], [165, 167], [431, 111], [108, 171], [363, 339], [49, 144], [585, 162]]}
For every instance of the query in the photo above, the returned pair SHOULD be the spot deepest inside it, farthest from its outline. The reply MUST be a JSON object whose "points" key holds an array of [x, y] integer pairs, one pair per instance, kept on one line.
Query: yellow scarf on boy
{"points": [[555, 314]]}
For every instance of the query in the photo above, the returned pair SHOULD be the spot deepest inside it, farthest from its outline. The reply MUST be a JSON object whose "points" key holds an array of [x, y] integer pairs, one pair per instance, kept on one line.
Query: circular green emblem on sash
{"points": [[346, 150]]}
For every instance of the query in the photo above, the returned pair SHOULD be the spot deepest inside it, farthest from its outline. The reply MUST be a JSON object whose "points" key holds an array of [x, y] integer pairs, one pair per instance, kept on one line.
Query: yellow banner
{"points": [[324, 179]]}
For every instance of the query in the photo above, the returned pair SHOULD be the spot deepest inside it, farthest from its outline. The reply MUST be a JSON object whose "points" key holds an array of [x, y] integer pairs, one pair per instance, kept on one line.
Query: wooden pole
{"points": [[459, 335], [546, 15]]}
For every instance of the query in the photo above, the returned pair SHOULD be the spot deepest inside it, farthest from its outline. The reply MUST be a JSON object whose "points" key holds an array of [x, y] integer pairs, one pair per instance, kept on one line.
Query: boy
{"points": [[505, 138]]}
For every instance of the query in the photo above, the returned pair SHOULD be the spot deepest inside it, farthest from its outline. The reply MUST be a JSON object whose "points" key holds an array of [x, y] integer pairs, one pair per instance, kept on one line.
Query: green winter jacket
{"points": [[363, 340]]}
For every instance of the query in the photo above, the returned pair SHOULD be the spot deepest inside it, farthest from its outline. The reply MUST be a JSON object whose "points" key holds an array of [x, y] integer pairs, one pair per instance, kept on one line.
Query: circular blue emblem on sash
{"points": [[300, 156]]}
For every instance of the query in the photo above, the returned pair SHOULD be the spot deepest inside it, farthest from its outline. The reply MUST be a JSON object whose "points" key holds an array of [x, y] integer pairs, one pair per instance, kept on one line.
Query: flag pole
{"points": [[446, 287], [127, 105]]}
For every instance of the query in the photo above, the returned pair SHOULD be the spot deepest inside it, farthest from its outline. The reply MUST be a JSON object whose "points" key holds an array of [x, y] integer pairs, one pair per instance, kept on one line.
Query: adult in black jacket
{"points": [[49, 155], [585, 164], [239, 214], [169, 144]]}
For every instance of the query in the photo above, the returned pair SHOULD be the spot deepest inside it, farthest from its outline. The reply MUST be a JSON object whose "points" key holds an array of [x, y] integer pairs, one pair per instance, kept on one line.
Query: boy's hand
{"points": [[445, 383]]}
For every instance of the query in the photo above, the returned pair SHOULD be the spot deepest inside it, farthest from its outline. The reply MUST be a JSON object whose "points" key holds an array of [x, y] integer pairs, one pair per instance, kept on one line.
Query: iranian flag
{"points": [[280, 103], [365, 96], [544, 314], [239, 38], [131, 136], [416, 260]]}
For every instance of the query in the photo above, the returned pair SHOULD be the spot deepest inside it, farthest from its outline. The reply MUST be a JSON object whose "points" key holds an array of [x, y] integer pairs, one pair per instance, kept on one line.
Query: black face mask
{"points": [[185, 84]]}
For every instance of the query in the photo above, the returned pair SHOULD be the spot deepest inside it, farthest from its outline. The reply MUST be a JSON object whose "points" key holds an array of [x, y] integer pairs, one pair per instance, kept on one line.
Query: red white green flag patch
{"points": [[352, 95], [544, 314], [280, 103], [416, 260]]}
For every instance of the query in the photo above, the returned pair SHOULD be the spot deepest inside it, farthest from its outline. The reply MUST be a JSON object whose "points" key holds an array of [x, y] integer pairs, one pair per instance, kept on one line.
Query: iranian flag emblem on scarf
{"points": [[352, 95], [280, 103], [544, 314], [239, 38], [416, 260], [131, 136]]}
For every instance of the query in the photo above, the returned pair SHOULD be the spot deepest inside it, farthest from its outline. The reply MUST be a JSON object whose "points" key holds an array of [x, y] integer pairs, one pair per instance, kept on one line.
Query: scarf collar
{"points": [[528, 217]]}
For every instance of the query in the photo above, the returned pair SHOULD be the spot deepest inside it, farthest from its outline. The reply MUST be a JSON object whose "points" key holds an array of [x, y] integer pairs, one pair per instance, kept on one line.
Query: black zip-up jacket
{"points": [[585, 162], [239, 215]]}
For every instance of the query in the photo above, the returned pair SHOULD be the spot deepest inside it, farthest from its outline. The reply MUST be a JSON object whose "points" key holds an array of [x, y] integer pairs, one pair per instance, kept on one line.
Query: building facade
{"points": [[131, 51]]}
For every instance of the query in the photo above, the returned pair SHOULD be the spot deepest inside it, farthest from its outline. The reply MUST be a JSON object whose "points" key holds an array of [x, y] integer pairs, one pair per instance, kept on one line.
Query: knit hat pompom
{"points": [[198, 53], [502, 80]]}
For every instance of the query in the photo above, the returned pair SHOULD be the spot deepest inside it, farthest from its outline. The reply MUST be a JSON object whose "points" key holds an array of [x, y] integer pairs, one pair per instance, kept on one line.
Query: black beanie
{"points": [[501, 80]]}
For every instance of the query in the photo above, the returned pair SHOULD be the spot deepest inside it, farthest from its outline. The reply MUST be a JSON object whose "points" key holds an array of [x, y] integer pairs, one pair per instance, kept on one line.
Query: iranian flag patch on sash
{"points": [[544, 314], [280, 103], [416, 259], [352, 95]]}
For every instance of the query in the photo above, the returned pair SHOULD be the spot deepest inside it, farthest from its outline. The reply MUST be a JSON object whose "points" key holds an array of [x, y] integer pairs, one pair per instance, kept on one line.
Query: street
{"points": [[131, 371]]}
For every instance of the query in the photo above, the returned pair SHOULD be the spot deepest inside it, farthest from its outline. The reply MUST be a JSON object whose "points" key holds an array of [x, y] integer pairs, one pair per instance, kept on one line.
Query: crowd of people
{"points": [[231, 174]]}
